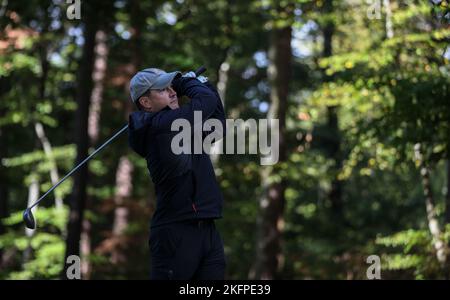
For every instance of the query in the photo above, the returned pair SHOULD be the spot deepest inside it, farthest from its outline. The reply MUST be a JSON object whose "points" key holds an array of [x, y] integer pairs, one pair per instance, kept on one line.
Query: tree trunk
{"points": [[447, 198], [334, 143], [54, 177], [84, 90], [33, 195], [3, 193], [222, 79], [99, 72], [389, 26], [123, 192], [433, 222], [447, 215], [100, 66], [124, 172], [269, 258], [5, 85], [221, 89], [38, 127], [328, 30], [334, 148]]}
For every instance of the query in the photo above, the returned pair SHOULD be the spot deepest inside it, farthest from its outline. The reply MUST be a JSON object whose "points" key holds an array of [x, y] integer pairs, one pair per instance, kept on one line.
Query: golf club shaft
{"points": [[80, 164]]}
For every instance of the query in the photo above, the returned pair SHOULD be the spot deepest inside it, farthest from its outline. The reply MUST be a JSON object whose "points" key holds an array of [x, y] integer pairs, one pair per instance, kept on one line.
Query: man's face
{"points": [[158, 99]]}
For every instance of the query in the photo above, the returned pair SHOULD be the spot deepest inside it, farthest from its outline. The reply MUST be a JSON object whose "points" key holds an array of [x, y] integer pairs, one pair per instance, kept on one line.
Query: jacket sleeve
{"points": [[203, 99], [219, 112]]}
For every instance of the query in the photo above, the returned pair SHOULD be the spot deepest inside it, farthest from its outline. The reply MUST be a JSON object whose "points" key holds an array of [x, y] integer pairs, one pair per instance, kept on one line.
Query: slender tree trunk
{"points": [[222, 79], [447, 198], [33, 189], [389, 26], [447, 214], [100, 66], [221, 89], [38, 127], [269, 258], [334, 145], [433, 222], [84, 90], [335, 194], [99, 72], [54, 177], [328, 30], [124, 172], [123, 192], [33, 195], [3, 192]]}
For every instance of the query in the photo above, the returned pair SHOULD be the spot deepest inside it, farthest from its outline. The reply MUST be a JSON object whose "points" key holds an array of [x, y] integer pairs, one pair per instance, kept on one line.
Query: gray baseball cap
{"points": [[151, 78]]}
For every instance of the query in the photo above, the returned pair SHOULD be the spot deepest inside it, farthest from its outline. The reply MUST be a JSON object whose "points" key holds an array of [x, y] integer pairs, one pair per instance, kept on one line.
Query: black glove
{"points": [[178, 84]]}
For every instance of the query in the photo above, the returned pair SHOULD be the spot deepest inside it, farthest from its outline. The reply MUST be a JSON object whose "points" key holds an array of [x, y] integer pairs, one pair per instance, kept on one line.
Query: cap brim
{"points": [[164, 80]]}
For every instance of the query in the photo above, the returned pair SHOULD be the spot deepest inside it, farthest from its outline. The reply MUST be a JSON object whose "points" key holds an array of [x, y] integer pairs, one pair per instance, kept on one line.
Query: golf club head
{"points": [[28, 218]]}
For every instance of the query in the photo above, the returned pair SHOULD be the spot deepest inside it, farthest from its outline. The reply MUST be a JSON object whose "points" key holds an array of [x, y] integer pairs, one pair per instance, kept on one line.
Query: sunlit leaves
{"points": [[39, 155], [410, 250], [16, 62]]}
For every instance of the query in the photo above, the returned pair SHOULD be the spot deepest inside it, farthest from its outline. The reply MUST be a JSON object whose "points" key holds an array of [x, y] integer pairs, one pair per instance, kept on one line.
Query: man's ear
{"points": [[144, 101]]}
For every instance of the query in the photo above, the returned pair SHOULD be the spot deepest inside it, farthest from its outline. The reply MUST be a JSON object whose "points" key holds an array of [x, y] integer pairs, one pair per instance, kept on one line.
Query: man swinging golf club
{"points": [[184, 242]]}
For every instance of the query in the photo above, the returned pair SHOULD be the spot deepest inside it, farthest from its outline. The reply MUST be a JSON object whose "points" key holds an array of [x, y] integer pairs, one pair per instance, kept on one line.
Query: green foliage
{"points": [[410, 251], [44, 248]]}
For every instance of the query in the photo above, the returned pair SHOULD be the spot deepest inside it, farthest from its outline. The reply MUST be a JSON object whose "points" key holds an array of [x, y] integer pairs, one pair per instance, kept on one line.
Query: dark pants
{"points": [[187, 250]]}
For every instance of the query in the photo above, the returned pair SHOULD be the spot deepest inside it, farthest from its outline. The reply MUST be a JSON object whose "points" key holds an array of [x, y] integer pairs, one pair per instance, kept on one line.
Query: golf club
{"points": [[28, 217]]}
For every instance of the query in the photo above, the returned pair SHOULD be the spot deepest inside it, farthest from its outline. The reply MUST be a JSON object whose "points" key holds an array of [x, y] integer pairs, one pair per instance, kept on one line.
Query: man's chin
{"points": [[174, 105]]}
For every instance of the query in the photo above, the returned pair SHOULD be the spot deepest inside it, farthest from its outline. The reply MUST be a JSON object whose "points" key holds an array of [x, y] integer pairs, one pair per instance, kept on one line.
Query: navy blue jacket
{"points": [[185, 184]]}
